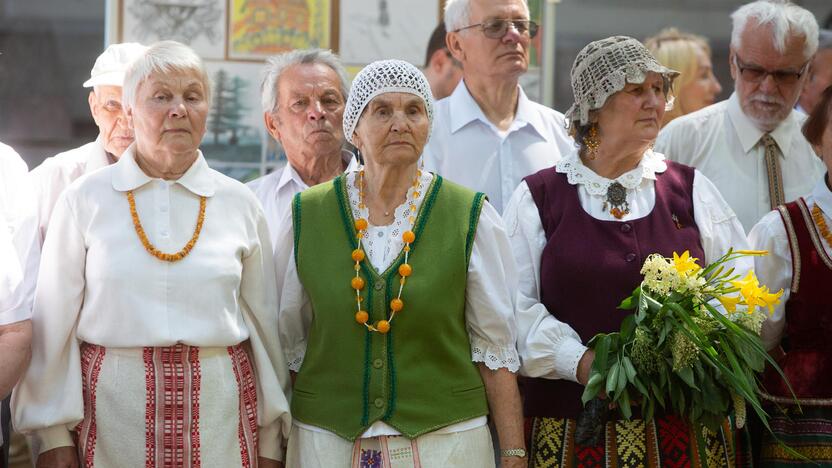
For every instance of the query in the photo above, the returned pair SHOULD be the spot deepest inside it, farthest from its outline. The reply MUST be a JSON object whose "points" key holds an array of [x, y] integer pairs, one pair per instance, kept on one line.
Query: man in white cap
{"points": [[56, 173]]}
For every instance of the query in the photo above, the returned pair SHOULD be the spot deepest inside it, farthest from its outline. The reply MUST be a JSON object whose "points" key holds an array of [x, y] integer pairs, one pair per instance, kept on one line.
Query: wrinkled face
{"points": [[393, 129], [507, 56], [105, 106], [704, 88], [635, 113], [310, 109], [820, 77], [764, 99], [169, 114]]}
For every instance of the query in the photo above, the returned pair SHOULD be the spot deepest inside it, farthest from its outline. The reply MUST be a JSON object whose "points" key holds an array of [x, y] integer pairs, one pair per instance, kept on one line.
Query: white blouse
{"points": [[98, 284], [775, 269], [489, 290], [548, 347]]}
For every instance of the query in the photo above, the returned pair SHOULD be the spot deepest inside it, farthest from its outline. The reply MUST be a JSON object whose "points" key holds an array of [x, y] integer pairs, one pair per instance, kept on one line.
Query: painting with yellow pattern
{"points": [[260, 28]]}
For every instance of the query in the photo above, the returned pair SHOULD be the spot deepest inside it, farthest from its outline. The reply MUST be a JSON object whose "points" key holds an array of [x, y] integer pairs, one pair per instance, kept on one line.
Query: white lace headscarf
{"points": [[604, 67], [385, 76]]}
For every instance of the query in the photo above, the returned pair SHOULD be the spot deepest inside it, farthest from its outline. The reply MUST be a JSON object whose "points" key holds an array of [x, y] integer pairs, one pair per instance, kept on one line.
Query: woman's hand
{"points": [[585, 366], [61, 457], [514, 462], [263, 462]]}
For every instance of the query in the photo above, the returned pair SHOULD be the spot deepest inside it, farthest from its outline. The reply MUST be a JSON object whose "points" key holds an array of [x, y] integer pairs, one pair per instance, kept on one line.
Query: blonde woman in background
{"points": [[690, 54]]}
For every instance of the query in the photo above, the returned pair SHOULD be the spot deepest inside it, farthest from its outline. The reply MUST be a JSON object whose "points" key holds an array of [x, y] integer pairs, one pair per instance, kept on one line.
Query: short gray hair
{"points": [[163, 57], [824, 39], [785, 18], [458, 14], [277, 64]]}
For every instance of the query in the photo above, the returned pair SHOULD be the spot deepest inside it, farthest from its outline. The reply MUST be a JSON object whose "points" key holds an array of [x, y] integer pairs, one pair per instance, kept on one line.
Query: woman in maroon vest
{"points": [[581, 231], [797, 235]]}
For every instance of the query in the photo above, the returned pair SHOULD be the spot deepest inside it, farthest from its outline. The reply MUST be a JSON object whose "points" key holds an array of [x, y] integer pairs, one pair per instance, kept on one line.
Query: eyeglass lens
{"points": [[757, 74], [497, 28]]}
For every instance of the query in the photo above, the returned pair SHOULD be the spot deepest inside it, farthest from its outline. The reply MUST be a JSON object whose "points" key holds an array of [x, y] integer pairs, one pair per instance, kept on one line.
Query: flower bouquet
{"points": [[677, 351]]}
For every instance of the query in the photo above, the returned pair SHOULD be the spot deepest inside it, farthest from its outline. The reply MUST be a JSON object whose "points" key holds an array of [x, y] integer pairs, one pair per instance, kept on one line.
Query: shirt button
{"points": [[626, 227], [378, 402], [379, 285], [630, 257], [164, 208], [164, 233], [378, 363], [380, 234]]}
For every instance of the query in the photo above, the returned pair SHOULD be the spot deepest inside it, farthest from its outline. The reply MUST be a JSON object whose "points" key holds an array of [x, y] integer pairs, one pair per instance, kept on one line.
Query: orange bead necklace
{"points": [[358, 256], [817, 216], [175, 257]]}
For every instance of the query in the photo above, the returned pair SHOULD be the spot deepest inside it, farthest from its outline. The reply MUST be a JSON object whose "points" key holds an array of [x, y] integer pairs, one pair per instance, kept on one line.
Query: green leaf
{"points": [[612, 379], [628, 327], [624, 404], [629, 368], [686, 374], [622, 378], [602, 353]]}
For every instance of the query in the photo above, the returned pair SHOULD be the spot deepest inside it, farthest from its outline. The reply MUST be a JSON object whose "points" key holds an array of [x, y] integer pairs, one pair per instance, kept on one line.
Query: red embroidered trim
{"points": [[149, 409], [91, 358], [247, 428], [173, 380]]}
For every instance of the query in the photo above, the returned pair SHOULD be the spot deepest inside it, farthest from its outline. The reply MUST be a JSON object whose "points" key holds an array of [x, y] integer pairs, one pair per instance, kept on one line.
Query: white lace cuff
{"points": [[568, 353], [494, 357], [294, 357]]}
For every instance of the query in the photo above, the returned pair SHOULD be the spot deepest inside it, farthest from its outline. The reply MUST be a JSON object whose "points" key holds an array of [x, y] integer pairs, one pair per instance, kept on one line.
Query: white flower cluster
{"points": [[660, 276]]}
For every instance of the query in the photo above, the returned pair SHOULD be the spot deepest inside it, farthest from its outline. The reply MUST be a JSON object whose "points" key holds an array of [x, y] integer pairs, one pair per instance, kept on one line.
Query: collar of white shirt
{"points": [[127, 175], [289, 174], [823, 196], [749, 135], [464, 110], [99, 157]]}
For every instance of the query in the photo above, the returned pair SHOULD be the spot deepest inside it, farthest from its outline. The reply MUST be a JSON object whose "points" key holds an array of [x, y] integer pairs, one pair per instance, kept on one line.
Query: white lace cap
{"points": [[604, 67], [385, 76]]}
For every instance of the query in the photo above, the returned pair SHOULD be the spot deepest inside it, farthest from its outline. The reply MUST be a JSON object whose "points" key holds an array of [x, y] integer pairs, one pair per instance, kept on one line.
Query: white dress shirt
{"points": [[276, 190], [19, 249], [550, 348], [56, 173], [99, 285], [775, 269], [467, 148], [723, 143], [488, 293]]}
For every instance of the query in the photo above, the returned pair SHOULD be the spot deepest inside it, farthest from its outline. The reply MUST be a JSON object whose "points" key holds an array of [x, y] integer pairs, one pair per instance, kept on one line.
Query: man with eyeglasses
{"points": [[487, 134], [750, 145], [114, 136], [442, 70]]}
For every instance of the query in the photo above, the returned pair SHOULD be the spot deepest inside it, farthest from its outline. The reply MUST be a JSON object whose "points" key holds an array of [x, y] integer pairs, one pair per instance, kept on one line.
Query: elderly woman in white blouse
{"points": [[580, 232], [154, 317], [396, 314]]}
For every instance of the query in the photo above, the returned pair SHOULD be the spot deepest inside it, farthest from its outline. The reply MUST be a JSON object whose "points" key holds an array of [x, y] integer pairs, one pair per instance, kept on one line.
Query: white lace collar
{"points": [[577, 173]]}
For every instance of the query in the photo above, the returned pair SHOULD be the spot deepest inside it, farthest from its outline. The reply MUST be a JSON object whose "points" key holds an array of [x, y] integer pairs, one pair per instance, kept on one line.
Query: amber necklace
{"points": [[358, 255], [137, 224], [817, 216]]}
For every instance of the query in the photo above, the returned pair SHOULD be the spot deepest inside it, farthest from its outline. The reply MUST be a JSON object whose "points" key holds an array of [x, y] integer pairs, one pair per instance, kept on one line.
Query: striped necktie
{"points": [[775, 177]]}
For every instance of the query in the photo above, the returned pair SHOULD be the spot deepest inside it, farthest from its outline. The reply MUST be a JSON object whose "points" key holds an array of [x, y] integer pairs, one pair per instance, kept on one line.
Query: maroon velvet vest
{"points": [[808, 362], [589, 266]]}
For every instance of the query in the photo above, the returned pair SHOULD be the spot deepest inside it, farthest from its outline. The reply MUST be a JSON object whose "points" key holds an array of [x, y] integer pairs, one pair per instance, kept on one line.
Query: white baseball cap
{"points": [[110, 66]]}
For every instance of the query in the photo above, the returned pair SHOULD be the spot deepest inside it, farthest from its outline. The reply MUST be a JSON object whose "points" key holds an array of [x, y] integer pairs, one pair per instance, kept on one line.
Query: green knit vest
{"points": [[418, 377]]}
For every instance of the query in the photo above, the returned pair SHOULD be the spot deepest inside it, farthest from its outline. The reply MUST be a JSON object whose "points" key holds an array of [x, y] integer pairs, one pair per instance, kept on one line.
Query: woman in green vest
{"points": [[397, 306]]}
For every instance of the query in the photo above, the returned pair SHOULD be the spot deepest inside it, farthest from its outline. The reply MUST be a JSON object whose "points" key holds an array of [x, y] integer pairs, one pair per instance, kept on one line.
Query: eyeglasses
{"points": [[757, 74], [497, 28]]}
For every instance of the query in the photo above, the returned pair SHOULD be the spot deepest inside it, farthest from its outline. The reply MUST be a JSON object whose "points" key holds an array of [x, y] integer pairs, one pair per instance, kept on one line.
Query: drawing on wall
{"points": [[374, 29], [197, 23], [259, 28], [234, 133]]}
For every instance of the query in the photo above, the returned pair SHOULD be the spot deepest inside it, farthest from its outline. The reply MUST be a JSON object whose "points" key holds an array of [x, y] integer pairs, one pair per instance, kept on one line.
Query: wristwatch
{"points": [[513, 452]]}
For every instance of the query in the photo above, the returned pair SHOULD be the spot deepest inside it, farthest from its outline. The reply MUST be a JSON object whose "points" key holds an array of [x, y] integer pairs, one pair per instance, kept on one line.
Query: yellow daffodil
{"points": [[770, 299], [685, 264], [730, 303]]}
